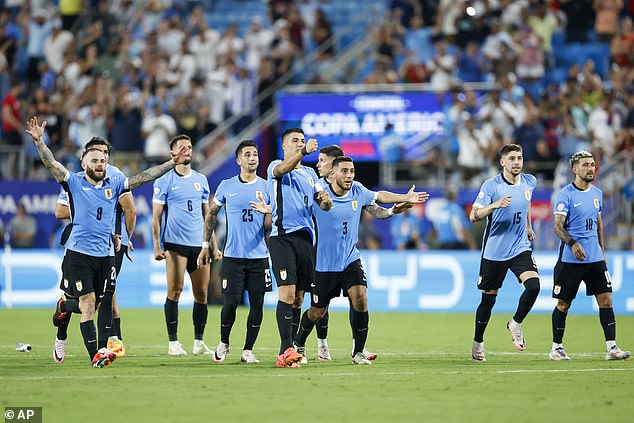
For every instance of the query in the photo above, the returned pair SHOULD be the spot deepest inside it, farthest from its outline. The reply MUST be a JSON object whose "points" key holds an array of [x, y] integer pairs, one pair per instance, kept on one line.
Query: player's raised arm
{"points": [[411, 197], [148, 175], [292, 159], [36, 131]]}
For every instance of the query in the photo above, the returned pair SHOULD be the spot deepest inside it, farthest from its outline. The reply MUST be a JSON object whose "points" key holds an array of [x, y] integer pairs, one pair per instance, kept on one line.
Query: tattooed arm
{"points": [[155, 172], [380, 212], [210, 224], [565, 237], [36, 131]]}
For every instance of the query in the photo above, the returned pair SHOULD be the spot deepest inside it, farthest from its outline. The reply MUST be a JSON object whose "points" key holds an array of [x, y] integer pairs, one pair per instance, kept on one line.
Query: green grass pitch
{"points": [[424, 373]]}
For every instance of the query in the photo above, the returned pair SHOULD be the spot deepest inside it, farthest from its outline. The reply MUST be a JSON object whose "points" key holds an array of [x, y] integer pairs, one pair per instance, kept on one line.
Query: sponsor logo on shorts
{"points": [[66, 283], [283, 274], [557, 289], [79, 285], [108, 193], [224, 284]]}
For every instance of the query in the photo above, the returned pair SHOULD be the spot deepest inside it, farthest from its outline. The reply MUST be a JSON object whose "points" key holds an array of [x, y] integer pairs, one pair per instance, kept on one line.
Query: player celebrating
{"points": [[90, 275], [579, 225], [125, 211], [293, 189], [338, 259], [504, 201], [179, 206], [245, 265]]}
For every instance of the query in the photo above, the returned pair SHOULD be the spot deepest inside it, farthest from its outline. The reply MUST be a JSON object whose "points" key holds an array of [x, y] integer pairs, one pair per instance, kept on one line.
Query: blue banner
{"points": [[357, 122], [397, 281]]}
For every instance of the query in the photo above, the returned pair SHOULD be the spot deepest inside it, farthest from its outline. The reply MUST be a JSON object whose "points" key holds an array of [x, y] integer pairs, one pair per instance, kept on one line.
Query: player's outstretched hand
{"points": [[260, 206], [578, 251], [324, 200], [311, 145], [401, 207], [503, 202], [203, 257], [182, 154], [35, 129], [416, 197], [159, 254]]}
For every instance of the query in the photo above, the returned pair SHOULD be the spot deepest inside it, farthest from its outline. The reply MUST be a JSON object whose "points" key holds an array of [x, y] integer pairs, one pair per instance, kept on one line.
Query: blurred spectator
{"points": [[451, 226], [125, 132], [55, 46], [69, 11], [296, 27], [158, 128], [512, 12], [607, 18], [530, 60], [22, 228], [622, 46], [37, 30], [282, 48], [230, 45], [406, 229], [571, 140], [499, 113], [390, 145], [203, 45], [12, 126], [369, 236], [382, 74], [257, 42], [544, 23], [579, 19], [530, 136], [241, 92], [412, 70], [418, 39], [471, 26], [266, 79], [405, 8], [442, 66], [472, 149], [448, 13], [472, 65], [89, 121], [604, 125], [321, 31]]}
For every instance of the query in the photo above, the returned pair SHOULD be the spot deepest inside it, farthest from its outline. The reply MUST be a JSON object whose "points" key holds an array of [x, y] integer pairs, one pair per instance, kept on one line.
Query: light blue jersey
{"points": [[292, 199], [505, 234], [338, 228], [118, 219], [183, 198], [582, 209], [245, 226], [91, 211]]}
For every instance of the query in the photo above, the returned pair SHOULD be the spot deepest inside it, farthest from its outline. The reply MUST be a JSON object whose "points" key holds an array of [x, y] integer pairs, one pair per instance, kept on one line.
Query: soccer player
{"points": [[179, 206], [293, 189], [338, 264], [89, 271], [245, 265], [125, 211], [579, 225], [504, 201]]}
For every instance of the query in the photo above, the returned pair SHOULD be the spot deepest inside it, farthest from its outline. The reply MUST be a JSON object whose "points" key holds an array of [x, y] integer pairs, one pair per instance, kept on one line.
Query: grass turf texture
{"points": [[424, 373]]}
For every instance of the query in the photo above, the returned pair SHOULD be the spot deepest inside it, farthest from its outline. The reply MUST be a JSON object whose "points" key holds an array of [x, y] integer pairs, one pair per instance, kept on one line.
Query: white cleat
{"points": [[201, 348], [248, 357], [369, 355], [615, 353], [302, 351], [221, 352], [323, 353], [558, 354], [477, 352], [516, 333], [59, 350], [175, 348], [359, 358]]}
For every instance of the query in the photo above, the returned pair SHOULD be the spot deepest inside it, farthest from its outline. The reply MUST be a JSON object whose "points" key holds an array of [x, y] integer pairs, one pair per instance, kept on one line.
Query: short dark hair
{"points": [[88, 150], [341, 159], [177, 138], [576, 158], [332, 151], [97, 141], [506, 149], [243, 145], [290, 131]]}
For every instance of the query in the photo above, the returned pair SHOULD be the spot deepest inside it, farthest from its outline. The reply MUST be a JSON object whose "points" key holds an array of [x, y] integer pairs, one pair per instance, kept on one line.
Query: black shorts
{"points": [[293, 259], [568, 277], [240, 274], [83, 274], [186, 251], [328, 285], [118, 258], [492, 273]]}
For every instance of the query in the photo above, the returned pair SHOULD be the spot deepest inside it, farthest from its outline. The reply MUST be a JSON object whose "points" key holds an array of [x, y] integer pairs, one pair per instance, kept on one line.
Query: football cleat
{"points": [[201, 348], [289, 358], [248, 357], [359, 358], [558, 354], [60, 317], [59, 350], [103, 358], [477, 351], [615, 353], [323, 353], [369, 355], [116, 346], [516, 333], [302, 352], [221, 352], [175, 348]]}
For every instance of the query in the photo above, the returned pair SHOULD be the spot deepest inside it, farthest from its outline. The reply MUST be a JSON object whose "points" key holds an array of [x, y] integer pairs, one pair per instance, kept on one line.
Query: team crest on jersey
{"points": [[108, 193], [527, 195], [557, 289], [79, 285], [258, 194], [312, 182], [283, 274], [224, 284], [355, 204], [596, 203], [197, 186], [66, 283]]}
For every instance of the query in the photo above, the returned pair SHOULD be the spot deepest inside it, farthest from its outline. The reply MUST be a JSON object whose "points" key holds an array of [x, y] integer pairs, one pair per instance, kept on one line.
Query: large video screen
{"points": [[357, 122]]}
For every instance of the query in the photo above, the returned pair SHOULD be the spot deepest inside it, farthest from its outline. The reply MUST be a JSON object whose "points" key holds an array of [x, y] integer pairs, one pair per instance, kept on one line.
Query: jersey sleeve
{"points": [[62, 198], [265, 194], [317, 186], [485, 196], [205, 194], [367, 196], [562, 203], [220, 198], [160, 191], [269, 170]]}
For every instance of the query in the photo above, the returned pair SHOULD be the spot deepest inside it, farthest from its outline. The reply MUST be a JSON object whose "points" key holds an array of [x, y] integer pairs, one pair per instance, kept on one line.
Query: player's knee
{"points": [[298, 301], [360, 303], [256, 299], [604, 300], [232, 300], [488, 300], [200, 297], [316, 313], [87, 308], [563, 306], [174, 294], [531, 286]]}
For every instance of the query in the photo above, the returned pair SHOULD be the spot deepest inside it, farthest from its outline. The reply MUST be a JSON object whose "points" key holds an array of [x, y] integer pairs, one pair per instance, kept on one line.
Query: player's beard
{"points": [[95, 176], [588, 178]]}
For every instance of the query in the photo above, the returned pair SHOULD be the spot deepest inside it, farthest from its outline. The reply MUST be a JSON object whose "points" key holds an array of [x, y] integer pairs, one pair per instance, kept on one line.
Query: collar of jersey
{"points": [[100, 183], [189, 175]]}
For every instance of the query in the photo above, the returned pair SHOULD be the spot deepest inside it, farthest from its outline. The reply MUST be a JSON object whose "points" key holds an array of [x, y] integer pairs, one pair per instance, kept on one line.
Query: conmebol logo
{"points": [[382, 103]]}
